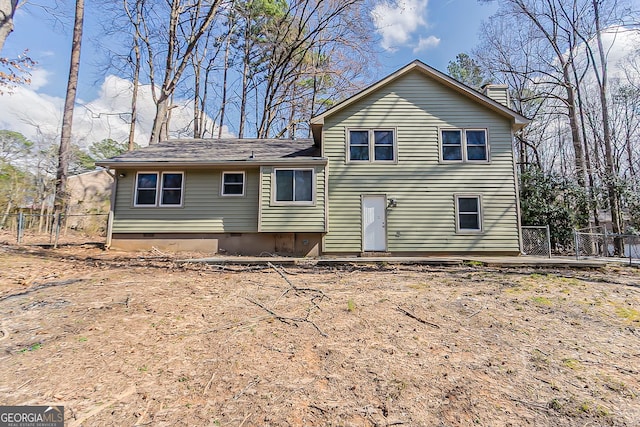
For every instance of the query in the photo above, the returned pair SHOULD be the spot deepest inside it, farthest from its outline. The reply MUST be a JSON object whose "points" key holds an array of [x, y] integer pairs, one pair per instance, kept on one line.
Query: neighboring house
{"points": [[89, 195], [417, 163]]}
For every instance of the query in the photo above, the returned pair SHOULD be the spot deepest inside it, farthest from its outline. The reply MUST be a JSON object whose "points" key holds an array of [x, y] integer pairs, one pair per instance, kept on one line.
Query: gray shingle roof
{"points": [[199, 151]]}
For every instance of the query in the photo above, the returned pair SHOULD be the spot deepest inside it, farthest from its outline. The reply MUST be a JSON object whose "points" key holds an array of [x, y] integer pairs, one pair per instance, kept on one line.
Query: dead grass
{"points": [[122, 339]]}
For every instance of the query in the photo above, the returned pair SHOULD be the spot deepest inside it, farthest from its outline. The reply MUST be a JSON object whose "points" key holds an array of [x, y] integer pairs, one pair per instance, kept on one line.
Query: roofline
{"points": [[186, 164], [519, 121]]}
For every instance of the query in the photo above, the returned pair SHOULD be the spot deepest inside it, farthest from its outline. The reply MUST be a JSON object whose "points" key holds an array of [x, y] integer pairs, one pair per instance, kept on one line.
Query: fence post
{"points": [[549, 240], [20, 226], [56, 221], [575, 244]]}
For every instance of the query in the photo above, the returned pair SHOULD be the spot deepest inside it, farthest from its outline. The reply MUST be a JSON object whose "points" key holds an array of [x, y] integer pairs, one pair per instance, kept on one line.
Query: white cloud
{"points": [[39, 78], [397, 21], [38, 116], [426, 43]]}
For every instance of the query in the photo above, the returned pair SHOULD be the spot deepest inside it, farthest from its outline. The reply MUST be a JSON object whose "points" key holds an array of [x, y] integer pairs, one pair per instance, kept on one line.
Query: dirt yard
{"points": [[141, 339]]}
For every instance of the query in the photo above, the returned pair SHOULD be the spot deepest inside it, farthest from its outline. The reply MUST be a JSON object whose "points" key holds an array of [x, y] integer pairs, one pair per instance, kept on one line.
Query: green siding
{"points": [[424, 219], [293, 218], [203, 210]]}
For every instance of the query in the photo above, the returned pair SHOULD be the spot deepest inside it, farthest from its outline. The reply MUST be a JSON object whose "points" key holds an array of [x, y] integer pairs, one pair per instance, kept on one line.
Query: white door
{"points": [[374, 223]]}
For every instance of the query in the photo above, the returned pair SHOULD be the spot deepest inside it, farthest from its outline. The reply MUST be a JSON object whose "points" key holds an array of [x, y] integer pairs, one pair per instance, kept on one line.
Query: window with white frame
{"points": [[159, 189], [294, 186], [468, 213], [468, 145], [233, 183], [371, 145]]}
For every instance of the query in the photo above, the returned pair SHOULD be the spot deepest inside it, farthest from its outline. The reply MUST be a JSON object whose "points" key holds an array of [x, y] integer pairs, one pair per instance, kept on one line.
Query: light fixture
{"points": [[122, 175], [392, 203]]}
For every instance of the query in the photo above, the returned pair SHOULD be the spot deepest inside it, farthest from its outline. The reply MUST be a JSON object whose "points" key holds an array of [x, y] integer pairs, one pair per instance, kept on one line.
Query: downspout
{"points": [[516, 184], [114, 188]]}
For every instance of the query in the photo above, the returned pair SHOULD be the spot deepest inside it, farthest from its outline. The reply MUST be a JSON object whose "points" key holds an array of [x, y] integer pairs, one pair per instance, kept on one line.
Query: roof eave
{"points": [[435, 74], [204, 164]]}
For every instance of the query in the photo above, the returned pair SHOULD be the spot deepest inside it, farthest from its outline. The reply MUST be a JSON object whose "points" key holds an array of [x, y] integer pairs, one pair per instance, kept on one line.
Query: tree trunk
{"points": [[7, 10], [223, 104], [134, 94], [593, 203], [197, 133], [159, 121], [67, 118], [610, 169], [205, 96], [244, 90]]}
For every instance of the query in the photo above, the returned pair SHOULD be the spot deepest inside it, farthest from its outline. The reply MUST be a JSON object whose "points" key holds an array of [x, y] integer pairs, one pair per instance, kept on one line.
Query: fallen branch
{"points": [[294, 287], [206, 387], [282, 275], [42, 286], [413, 316], [289, 320], [285, 320]]}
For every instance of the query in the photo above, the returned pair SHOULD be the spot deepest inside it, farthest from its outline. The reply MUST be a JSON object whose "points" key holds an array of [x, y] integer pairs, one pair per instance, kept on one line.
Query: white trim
{"points": [[171, 205], [275, 202], [371, 144], [244, 183], [260, 201], [459, 230], [159, 189], [135, 190], [463, 145], [112, 209]]}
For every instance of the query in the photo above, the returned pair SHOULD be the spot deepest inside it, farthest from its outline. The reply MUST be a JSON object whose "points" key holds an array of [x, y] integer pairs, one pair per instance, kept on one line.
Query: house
{"points": [[417, 163], [89, 194]]}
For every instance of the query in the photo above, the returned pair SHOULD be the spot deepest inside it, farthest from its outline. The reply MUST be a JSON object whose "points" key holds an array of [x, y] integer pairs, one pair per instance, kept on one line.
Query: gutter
{"points": [[195, 164]]}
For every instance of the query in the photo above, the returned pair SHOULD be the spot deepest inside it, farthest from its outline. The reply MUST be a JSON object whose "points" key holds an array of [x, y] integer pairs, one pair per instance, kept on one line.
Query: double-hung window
{"points": [[293, 186], [159, 189], [233, 183], [371, 145], [464, 145], [468, 213]]}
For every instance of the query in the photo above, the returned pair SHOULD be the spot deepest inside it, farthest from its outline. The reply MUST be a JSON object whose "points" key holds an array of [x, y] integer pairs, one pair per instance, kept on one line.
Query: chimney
{"points": [[499, 93]]}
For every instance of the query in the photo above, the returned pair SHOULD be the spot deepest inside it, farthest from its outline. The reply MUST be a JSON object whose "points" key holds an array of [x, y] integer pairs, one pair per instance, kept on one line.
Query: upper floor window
{"points": [[371, 145], [294, 186], [469, 145], [233, 183], [159, 189]]}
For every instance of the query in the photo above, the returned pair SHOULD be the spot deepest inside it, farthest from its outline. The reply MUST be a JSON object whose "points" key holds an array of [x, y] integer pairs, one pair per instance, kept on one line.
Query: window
{"points": [[469, 145], [468, 213], [451, 145], [233, 183], [146, 189], [372, 145], [294, 185], [168, 187]]}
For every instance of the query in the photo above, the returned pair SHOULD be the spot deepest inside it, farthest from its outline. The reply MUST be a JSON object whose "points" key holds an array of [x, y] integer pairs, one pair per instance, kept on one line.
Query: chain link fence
{"points": [[597, 242], [536, 241], [54, 230]]}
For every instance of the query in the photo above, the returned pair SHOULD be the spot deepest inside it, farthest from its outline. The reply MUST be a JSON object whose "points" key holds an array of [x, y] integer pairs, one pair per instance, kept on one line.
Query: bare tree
{"points": [[67, 118], [187, 22], [7, 10]]}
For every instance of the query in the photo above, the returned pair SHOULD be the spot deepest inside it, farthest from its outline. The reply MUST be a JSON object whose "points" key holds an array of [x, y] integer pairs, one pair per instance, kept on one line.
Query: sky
{"points": [[434, 31]]}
